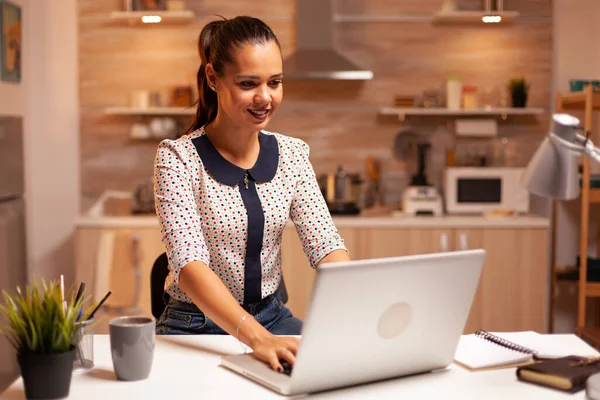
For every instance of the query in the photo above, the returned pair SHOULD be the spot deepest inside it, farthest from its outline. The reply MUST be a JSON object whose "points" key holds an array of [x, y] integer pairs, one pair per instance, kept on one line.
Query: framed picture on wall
{"points": [[148, 5], [10, 42]]}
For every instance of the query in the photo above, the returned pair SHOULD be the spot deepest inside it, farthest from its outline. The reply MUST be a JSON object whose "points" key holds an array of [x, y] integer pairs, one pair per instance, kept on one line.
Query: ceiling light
{"points": [[151, 19], [491, 19]]}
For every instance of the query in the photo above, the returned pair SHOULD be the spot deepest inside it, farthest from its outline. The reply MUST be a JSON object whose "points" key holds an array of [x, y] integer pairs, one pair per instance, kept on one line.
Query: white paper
{"points": [[476, 352]]}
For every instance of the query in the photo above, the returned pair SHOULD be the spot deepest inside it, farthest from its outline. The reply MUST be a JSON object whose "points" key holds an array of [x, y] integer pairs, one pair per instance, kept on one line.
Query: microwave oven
{"points": [[472, 190]]}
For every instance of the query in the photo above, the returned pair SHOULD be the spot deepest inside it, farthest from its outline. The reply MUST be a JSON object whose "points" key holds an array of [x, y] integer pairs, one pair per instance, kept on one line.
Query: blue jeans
{"points": [[181, 318]]}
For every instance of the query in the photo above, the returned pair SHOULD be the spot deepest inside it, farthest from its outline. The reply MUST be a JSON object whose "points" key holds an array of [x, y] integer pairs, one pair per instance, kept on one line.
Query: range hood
{"points": [[315, 57]]}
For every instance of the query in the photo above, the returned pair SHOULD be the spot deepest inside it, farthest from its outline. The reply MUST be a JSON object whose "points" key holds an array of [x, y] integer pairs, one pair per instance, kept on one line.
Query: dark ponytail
{"points": [[216, 43]]}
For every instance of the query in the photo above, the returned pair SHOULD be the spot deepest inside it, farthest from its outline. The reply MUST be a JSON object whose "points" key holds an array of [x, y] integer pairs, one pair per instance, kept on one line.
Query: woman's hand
{"points": [[272, 348]]}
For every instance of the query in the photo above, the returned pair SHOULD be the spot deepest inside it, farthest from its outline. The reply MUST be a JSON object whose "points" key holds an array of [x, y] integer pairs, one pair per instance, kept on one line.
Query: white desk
{"points": [[187, 367]]}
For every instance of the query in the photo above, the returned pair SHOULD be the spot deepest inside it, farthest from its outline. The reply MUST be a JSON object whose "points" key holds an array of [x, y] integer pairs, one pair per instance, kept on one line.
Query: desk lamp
{"points": [[552, 173]]}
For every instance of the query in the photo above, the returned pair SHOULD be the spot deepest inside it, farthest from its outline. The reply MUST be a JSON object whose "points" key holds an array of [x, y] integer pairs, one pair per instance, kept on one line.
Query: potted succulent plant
{"points": [[40, 324], [519, 90]]}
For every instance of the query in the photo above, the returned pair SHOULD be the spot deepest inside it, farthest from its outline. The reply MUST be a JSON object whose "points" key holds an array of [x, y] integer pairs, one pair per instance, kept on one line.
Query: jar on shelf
{"points": [[453, 93], [469, 94]]}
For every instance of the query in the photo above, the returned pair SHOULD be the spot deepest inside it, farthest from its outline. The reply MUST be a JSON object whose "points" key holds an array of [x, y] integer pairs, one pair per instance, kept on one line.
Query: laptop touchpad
{"points": [[394, 320]]}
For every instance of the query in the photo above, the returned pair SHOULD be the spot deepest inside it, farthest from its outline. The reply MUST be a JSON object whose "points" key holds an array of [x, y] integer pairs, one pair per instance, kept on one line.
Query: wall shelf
{"points": [[445, 112], [174, 111], [461, 17], [153, 17]]}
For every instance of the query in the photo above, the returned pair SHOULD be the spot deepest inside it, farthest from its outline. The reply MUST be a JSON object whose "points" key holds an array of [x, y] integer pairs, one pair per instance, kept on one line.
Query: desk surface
{"points": [[190, 365]]}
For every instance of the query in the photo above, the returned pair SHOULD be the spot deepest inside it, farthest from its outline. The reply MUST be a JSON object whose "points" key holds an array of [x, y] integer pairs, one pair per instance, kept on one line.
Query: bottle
{"points": [[450, 156], [340, 186], [453, 93], [470, 97]]}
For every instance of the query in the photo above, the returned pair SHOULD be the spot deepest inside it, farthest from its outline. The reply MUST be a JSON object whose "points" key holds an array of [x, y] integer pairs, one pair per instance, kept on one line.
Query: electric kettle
{"points": [[341, 191]]}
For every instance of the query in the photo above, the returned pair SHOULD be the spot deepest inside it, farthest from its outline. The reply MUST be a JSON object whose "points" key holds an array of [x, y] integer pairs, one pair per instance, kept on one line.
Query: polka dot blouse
{"points": [[232, 219]]}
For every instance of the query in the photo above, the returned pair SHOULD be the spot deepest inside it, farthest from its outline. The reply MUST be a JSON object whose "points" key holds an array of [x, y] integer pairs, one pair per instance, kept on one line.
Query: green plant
{"points": [[36, 320], [519, 86]]}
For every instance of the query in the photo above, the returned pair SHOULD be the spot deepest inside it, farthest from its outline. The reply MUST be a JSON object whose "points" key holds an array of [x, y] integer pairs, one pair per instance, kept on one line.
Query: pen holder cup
{"points": [[84, 345]]}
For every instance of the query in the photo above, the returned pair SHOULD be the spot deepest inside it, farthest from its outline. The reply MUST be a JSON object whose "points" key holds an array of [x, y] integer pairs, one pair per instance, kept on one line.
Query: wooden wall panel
{"points": [[337, 118]]}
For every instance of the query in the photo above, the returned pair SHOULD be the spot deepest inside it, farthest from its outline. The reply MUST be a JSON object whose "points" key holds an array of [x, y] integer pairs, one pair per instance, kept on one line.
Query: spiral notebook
{"points": [[484, 350]]}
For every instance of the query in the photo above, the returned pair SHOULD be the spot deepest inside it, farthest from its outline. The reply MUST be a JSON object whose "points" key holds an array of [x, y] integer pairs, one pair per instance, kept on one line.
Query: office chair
{"points": [[158, 275]]}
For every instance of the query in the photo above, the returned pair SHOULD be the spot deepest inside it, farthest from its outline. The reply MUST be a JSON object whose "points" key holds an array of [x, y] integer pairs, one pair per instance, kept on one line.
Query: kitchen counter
{"points": [[99, 217], [108, 238]]}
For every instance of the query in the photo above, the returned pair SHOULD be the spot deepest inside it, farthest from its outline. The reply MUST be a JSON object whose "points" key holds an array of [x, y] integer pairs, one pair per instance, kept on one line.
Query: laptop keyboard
{"points": [[287, 368]]}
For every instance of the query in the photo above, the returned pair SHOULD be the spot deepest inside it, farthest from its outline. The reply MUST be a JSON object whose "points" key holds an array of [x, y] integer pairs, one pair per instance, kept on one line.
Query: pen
{"points": [[62, 293], [99, 305], [80, 292]]}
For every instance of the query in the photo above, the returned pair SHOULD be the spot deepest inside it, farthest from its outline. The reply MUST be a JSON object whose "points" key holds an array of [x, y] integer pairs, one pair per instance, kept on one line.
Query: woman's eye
{"points": [[247, 84], [276, 82]]}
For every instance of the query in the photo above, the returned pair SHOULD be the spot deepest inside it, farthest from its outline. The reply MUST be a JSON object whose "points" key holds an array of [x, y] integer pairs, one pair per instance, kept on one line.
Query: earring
{"points": [[214, 89]]}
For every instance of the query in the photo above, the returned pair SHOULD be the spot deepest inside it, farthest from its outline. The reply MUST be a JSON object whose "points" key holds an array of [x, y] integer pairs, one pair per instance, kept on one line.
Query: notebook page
{"points": [[562, 345], [550, 345], [476, 353]]}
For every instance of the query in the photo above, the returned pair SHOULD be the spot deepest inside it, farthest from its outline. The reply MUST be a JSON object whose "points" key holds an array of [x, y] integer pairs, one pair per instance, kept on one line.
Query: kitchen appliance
{"points": [[341, 191], [13, 256], [472, 190], [315, 56], [421, 198]]}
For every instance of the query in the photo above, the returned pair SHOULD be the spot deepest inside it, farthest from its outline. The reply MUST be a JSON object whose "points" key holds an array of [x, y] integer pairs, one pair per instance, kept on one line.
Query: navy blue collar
{"points": [[230, 174]]}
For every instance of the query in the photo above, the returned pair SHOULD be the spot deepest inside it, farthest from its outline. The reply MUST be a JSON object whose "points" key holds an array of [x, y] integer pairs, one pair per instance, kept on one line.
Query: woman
{"points": [[224, 193]]}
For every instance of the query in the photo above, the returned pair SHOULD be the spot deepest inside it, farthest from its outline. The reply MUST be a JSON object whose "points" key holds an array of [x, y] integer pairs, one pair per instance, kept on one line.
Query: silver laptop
{"points": [[376, 319]]}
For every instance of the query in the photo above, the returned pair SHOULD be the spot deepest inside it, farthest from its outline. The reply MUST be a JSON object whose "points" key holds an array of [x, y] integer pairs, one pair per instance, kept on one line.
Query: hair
{"points": [[216, 45]]}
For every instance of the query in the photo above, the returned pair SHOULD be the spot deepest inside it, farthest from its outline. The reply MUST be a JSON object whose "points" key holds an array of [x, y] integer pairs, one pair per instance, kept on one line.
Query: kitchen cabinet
{"points": [[119, 260], [513, 288], [381, 242], [512, 291]]}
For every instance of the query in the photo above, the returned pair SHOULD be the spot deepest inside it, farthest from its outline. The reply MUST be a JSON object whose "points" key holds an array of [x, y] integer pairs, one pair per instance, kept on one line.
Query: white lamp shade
{"points": [[552, 172]]}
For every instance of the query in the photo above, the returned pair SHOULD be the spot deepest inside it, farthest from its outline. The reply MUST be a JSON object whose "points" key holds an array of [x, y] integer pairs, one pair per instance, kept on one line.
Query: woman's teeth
{"points": [[262, 114]]}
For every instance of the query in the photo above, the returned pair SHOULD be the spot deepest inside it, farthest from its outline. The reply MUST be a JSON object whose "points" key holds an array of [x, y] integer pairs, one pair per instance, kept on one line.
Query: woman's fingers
{"points": [[287, 355], [276, 349], [292, 344], [274, 361]]}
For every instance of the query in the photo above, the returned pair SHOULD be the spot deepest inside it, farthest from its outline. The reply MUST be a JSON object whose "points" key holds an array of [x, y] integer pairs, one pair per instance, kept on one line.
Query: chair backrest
{"points": [[158, 275], [283, 291]]}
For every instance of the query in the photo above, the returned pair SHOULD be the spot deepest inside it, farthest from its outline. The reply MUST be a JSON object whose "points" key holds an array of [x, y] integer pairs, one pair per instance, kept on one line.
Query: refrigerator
{"points": [[13, 255]]}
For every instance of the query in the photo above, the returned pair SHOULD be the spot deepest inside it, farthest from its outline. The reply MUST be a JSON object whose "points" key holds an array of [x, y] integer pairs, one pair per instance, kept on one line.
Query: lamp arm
{"points": [[592, 151], [582, 145], [578, 147]]}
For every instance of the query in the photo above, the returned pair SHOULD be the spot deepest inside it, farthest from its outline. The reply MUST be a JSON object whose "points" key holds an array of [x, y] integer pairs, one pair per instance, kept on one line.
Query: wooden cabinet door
{"points": [[299, 275], [394, 242], [516, 279], [511, 295], [470, 239], [119, 260]]}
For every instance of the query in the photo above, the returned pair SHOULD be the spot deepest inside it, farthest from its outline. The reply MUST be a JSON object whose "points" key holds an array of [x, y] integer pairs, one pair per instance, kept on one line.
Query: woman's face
{"points": [[251, 88]]}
